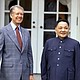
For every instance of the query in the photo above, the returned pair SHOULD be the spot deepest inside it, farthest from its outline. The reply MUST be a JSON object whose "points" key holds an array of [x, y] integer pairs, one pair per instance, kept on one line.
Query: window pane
{"points": [[7, 18], [49, 21], [63, 16], [50, 5], [9, 3], [48, 35], [26, 4], [65, 5], [63, 8], [27, 21]]}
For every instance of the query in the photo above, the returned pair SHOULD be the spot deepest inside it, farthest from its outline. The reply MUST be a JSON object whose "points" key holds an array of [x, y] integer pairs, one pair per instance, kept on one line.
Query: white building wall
{"points": [[1, 13], [78, 13]]}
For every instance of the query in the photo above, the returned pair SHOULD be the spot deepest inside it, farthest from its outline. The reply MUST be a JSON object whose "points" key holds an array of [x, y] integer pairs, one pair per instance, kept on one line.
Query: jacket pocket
{"points": [[7, 64], [68, 52], [71, 74], [48, 72], [50, 53], [51, 50]]}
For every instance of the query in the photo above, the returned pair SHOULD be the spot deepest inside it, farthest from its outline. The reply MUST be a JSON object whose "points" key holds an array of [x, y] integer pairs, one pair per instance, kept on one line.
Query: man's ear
{"points": [[55, 29], [10, 15]]}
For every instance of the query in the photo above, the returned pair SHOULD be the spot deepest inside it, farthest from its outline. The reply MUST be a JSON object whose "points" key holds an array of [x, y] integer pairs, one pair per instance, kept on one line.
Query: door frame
{"points": [[2, 13], [74, 20], [37, 32], [78, 19]]}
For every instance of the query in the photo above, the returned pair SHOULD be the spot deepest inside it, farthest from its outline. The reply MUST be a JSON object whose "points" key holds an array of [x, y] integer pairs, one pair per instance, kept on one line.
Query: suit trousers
{"points": [[21, 78]]}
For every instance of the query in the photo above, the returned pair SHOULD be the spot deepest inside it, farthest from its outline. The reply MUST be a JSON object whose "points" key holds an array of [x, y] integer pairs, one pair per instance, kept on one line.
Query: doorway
{"points": [[39, 18]]}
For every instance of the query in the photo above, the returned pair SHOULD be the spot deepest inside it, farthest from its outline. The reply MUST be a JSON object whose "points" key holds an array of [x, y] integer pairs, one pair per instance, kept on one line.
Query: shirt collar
{"points": [[14, 26], [60, 40]]}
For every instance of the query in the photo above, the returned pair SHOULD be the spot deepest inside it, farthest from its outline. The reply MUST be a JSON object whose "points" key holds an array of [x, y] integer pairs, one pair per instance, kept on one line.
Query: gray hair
{"points": [[15, 6]]}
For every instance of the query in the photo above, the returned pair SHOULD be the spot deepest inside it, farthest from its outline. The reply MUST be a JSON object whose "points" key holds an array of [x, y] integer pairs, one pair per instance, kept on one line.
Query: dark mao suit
{"points": [[61, 60]]}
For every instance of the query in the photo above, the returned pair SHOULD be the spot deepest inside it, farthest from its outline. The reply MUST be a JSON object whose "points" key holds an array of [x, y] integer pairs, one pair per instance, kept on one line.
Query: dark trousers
{"points": [[21, 78]]}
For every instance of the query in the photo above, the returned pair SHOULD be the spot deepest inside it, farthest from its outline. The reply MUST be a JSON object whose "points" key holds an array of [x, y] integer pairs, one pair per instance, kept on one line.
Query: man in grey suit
{"points": [[17, 63]]}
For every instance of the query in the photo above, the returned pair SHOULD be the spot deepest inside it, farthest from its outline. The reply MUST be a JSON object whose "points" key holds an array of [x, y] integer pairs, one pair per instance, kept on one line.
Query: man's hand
{"points": [[31, 77]]}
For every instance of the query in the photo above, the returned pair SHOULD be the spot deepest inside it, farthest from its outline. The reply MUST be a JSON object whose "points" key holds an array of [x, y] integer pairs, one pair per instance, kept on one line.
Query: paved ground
{"points": [[37, 77]]}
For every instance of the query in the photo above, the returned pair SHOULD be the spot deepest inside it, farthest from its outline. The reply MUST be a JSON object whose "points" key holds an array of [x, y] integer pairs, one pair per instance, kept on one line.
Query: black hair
{"points": [[61, 20]]}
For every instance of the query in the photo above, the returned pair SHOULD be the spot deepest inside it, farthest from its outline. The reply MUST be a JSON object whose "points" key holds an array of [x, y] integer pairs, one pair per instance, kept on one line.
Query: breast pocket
{"points": [[68, 52], [51, 55], [71, 74], [51, 51]]}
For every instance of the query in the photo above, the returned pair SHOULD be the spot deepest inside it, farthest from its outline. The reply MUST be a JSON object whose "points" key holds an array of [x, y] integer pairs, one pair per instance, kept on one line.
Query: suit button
{"points": [[58, 58], [57, 64], [51, 49], [59, 53], [59, 46], [27, 65], [61, 41], [20, 62]]}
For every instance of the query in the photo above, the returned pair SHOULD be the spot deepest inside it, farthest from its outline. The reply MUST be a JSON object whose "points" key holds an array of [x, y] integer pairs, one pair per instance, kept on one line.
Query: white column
{"points": [[78, 32], [2, 13], [74, 26]]}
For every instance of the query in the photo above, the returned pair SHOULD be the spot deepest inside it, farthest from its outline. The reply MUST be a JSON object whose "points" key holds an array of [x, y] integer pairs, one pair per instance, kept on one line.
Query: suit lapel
{"points": [[24, 38], [12, 36]]}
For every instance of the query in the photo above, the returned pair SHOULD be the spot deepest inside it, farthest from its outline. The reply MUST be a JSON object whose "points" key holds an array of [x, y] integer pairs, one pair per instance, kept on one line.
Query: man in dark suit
{"points": [[61, 55], [16, 53]]}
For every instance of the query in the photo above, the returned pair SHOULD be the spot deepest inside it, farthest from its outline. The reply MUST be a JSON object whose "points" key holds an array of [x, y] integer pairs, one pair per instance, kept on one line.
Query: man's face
{"points": [[62, 30], [17, 16]]}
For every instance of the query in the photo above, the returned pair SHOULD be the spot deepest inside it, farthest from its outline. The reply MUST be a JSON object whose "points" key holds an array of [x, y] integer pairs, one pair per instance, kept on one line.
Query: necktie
{"points": [[19, 37]]}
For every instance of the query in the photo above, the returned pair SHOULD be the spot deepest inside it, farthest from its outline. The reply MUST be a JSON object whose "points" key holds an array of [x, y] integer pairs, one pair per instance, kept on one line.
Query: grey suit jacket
{"points": [[15, 62]]}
